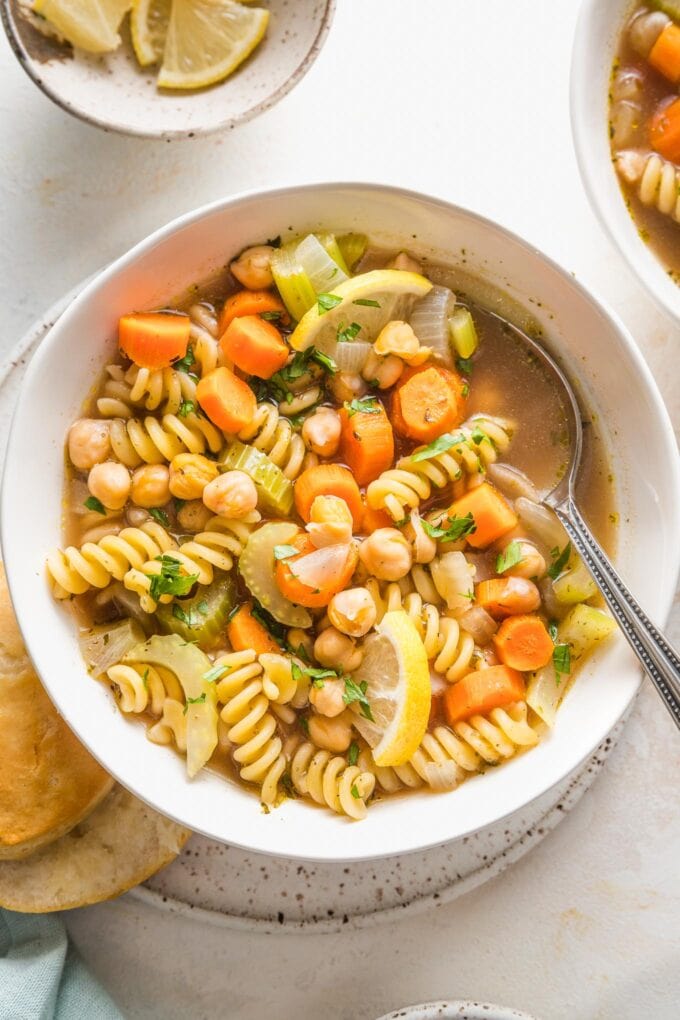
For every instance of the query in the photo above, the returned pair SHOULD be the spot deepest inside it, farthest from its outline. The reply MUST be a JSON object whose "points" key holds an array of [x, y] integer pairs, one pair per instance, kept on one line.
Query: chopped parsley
{"points": [[367, 302], [160, 516], [275, 242], [318, 676], [169, 581], [353, 753], [552, 630], [178, 503], [193, 617], [327, 301], [278, 387], [357, 692], [216, 673], [287, 785], [478, 435], [184, 364], [270, 316], [272, 626], [450, 529], [284, 552], [304, 724], [561, 661], [92, 503], [440, 445], [324, 360], [145, 679], [355, 792], [560, 560], [510, 557], [186, 408], [346, 334], [464, 365], [364, 405], [200, 700]]}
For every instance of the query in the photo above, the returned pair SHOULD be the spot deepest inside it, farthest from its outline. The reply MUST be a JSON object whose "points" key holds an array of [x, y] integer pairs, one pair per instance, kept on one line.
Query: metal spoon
{"points": [[659, 660]]}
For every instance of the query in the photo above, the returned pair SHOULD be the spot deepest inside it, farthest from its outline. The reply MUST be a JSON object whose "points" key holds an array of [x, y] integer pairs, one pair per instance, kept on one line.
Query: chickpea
{"points": [[405, 263], [337, 651], [253, 267], [150, 485], [331, 734], [383, 372], [347, 386], [330, 521], [194, 516], [110, 484], [352, 611], [531, 565], [232, 494], [88, 443], [386, 554], [398, 338], [327, 700], [321, 432], [519, 596], [189, 475]]}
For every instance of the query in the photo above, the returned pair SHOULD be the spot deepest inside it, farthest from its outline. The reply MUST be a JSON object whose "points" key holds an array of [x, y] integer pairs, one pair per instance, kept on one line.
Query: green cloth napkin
{"points": [[41, 975]]}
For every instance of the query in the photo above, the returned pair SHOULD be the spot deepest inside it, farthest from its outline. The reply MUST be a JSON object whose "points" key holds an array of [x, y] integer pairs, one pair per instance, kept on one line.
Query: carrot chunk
{"points": [[328, 480], [492, 514], [372, 520], [522, 642], [664, 131], [337, 578], [253, 302], [245, 633], [366, 442], [227, 400], [664, 55], [255, 346], [482, 691], [507, 596], [427, 402], [153, 339]]}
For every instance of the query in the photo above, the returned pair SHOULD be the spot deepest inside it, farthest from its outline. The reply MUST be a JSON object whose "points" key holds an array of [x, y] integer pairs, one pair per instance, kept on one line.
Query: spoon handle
{"points": [[656, 655]]}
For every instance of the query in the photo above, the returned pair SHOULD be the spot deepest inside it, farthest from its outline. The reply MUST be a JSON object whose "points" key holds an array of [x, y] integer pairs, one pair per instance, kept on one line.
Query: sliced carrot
{"points": [[492, 514], [328, 480], [372, 520], [664, 55], [523, 642], [507, 596], [245, 633], [228, 401], [482, 691], [255, 346], [366, 442], [302, 594], [153, 339], [664, 131], [253, 302], [427, 402]]}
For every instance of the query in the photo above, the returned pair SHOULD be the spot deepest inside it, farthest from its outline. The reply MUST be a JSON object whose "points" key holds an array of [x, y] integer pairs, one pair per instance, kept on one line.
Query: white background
{"points": [[467, 100]]}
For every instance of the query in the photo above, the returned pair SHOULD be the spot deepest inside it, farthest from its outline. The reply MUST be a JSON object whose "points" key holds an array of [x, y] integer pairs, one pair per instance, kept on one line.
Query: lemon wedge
{"points": [[397, 677], [207, 40], [149, 20], [367, 303], [90, 25]]}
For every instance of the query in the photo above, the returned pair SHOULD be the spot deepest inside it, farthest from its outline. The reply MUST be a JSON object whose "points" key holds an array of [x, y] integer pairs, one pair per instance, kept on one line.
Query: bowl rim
{"points": [[649, 270], [32, 70], [666, 443], [470, 1008]]}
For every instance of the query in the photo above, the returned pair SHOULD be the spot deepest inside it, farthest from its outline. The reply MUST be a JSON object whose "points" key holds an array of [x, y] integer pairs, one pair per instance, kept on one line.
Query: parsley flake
{"points": [[363, 405], [160, 516], [346, 334], [270, 316], [355, 792], [560, 560], [186, 408], [464, 365], [367, 302], [510, 557], [92, 503], [561, 661], [353, 753], [357, 692], [327, 301], [169, 581], [216, 673], [200, 700], [450, 529], [184, 364], [440, 445]]}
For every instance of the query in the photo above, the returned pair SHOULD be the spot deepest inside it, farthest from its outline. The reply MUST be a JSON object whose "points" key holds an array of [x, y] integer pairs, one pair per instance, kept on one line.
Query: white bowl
{"points": [[588, 338], [115, 93], [457, 1010], [598, 31]]}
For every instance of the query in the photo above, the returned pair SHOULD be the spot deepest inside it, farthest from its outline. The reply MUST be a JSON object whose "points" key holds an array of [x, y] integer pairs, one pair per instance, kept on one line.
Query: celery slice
{"points": [[323, 273], [256, 566], [189, 664], [582, 629], [575, 584], [295, 287], [352, 248], [463, 333], [274, 490], [203, 617], [330, 243]]}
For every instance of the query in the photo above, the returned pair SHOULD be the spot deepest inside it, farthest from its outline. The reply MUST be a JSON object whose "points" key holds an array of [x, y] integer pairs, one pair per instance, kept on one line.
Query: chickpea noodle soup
{"points": [[306, 547]]}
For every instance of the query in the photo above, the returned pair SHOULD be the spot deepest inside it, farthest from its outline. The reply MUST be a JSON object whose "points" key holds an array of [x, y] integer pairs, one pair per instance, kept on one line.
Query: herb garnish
{"points": [[364, 405], [355, 792], [561, 661], [192, 618], [200, 700], [357, 692], [92, 503], [272, 626], [450, 529], [284, 552], [464, 365], [160, 516], [560, 560], [275, 242], [478, 436], [186, 408], [440, 445], [317, 675], [184, 364], [346, 334], [327, 301], [367, 302], [270, 316], [510, 557], [353, 753], [178, 503], [169, 581], [216, 673]]}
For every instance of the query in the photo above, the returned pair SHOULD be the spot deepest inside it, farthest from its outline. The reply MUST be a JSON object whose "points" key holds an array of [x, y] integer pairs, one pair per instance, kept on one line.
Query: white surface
{"points": [[193, 248], [587, 926]]}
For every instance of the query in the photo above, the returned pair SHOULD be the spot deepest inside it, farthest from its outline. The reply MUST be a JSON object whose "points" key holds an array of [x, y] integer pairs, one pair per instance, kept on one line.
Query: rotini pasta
{"points": [[150, 441], [165, 389], [330, 780], [274, 435]]}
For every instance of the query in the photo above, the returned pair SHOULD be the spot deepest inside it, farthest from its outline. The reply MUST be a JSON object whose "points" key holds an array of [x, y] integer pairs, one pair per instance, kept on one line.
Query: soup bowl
{"points": [[579, 331], [597, 36]]}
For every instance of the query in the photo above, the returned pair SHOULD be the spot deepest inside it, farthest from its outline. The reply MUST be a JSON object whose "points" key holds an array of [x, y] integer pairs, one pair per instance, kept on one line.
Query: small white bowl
{"points": [[587, 338], [115, 93], [598, 31], [457, 1010]]}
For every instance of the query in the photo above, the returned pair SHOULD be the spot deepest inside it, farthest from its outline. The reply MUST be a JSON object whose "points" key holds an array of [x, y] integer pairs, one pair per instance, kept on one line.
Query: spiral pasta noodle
{"points": [[135, 441], [171, 728], [93, 565], [274, 435], [660, 186], [164, 389], [203, 338], [330, 780], [144, 688], [410, 482]]}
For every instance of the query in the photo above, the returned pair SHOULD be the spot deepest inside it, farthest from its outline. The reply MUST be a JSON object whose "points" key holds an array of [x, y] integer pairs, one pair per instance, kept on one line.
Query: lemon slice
{"points": [[368, 301], [207, 40], [91, 25], [149, 21], [397, 677]]}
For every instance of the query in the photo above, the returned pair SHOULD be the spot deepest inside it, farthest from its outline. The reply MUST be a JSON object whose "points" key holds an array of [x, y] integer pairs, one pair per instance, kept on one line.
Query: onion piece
{"points": [[512, 482], [479, 625], [320, 568], [541, 523], [430, 320], [452, 576], [351, 357], [442, 776], [323, 272]]}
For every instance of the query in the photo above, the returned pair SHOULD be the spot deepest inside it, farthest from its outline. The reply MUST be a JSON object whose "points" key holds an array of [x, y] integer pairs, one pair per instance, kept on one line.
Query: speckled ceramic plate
{"points": [[115, 93], [223, 885], [457, 1010]]}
